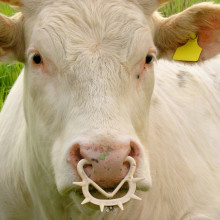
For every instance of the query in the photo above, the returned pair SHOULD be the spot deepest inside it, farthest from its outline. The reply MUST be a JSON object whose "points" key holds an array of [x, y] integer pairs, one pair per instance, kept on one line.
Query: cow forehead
{"points": [[93, 10], [88, 24]]}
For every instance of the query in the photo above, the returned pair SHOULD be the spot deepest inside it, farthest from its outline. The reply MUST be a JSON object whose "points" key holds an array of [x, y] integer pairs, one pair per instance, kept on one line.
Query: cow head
{"points": [[89, 78]]}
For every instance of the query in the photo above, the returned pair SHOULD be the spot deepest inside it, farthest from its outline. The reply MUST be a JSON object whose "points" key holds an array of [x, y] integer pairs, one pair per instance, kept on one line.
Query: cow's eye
{"points": [[37, 59], [149, 58]]}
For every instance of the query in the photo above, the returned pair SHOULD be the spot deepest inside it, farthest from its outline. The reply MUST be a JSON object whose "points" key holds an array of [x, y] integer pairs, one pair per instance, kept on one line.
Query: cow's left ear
{"points": [[149, 6], [11, 38], [202, 19]]}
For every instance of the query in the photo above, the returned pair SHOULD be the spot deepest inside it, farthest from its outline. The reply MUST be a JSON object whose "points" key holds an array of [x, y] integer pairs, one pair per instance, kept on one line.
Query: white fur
{"points": [[90, 90]]}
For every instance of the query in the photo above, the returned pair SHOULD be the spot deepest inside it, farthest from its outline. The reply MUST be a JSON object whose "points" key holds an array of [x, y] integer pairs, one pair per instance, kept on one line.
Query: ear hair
{"points": [[163, 1], [201, 19], [12, 2], [150, 6], [11, 37]]}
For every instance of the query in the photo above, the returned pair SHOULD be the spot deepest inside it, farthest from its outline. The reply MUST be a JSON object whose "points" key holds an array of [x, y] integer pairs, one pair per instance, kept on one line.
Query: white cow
{"points": [[86, 92]]}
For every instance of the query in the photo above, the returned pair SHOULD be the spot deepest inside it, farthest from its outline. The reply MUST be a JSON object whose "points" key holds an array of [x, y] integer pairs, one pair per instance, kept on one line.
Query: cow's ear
{"points": [[149, 6], [11, 38], [13, 2], [202, 19]]}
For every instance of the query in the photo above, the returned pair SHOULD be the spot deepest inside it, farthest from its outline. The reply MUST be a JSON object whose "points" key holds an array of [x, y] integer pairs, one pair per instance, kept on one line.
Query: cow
{"points": [[92, 90]]}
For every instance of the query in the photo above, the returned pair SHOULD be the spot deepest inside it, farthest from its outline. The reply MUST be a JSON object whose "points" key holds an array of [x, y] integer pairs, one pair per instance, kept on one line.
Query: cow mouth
{"points": [[96, 194], [123, 190]]}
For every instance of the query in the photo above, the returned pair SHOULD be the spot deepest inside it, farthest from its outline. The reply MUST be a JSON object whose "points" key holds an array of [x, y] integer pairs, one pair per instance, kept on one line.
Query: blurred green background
{"points": [[9, 72]]}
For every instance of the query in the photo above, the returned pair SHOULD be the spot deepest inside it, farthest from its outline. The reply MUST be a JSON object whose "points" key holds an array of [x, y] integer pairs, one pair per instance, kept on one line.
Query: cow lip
{"points": [[124, 188], [78, 190], [96, 193], [73, 188]]}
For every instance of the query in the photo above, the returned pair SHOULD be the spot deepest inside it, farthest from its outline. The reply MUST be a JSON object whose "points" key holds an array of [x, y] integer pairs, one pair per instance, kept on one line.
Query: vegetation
{"points": [[176, 6], [9, 72]]}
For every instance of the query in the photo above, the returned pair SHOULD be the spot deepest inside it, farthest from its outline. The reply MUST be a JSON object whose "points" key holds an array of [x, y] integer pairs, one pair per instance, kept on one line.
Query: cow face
{"points": [[88, 84]]}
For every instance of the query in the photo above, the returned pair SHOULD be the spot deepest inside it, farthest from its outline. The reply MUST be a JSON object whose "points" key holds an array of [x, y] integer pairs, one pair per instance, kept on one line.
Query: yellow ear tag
{"points": [[190, 51]]}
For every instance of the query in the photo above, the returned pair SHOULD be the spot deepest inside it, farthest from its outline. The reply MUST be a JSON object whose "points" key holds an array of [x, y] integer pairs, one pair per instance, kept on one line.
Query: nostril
{"points": [[87, 168], [134, 151], [75, 155]]}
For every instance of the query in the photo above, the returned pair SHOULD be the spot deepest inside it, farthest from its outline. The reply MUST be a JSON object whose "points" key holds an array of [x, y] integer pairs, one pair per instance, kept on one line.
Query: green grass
{"points": [[6, 9], [9, 72], [176, 6], [8, 75]]}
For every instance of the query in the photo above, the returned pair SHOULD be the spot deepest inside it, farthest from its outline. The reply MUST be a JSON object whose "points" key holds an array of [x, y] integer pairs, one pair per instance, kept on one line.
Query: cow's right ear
{"points": [[202, 20], [149, 6], [11, 38], [12, 2]]}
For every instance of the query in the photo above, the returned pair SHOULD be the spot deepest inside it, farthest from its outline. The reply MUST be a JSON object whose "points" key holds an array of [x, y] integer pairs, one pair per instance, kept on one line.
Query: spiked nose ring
{"points": [[109, 201]]}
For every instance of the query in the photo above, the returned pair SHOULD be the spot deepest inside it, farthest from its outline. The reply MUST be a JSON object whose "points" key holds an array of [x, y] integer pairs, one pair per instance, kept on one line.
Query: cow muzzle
{"points": [[106, 165], [107, 161]]}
